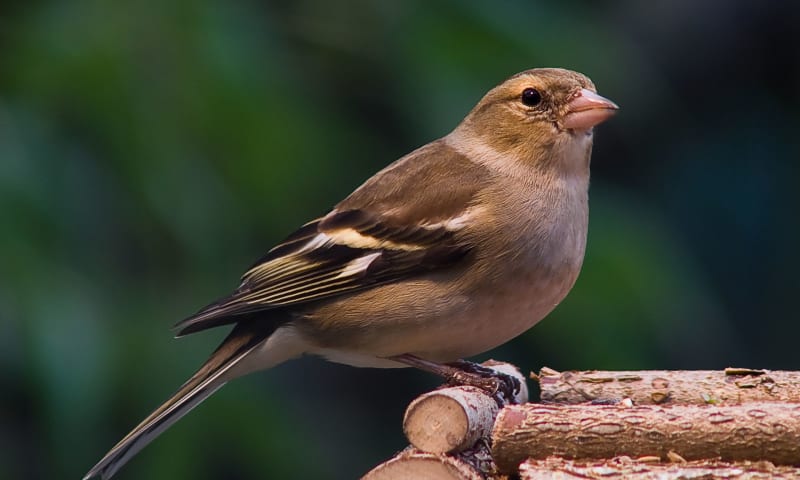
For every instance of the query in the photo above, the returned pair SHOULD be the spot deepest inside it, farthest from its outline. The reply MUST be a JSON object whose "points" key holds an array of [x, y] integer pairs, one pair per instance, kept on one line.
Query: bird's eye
{"points": [[531, 97]]}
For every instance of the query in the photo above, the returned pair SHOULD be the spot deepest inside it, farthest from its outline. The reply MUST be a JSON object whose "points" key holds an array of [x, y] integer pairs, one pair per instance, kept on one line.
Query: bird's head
{"points": [[537, 112]]}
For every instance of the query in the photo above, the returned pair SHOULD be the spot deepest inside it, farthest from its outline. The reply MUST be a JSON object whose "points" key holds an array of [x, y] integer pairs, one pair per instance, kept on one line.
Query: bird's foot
{"points": [[503, 388], [495, 383]]}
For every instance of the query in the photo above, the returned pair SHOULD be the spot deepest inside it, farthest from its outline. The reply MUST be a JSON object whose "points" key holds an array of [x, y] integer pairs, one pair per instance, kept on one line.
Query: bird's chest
{"points": [[542, 262], [544, 230]]}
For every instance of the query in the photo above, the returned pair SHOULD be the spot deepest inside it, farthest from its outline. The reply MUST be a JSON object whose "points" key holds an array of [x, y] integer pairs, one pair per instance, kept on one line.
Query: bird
{"points": [[454, 249]]}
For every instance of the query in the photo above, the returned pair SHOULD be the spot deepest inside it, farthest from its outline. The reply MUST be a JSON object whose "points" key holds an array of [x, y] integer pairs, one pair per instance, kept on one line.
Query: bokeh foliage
{"points": [[149, 151]]}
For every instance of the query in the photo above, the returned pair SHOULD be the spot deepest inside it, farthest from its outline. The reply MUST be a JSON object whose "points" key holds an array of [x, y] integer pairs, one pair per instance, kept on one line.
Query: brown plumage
{"points": [[448, 252]]}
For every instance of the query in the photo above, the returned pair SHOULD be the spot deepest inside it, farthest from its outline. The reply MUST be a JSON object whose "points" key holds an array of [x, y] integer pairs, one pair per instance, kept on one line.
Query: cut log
{"points": [[473, 464], [756, 431], [452, 419], [449, 420], [697, 387], [555, 468], [412, 463]]}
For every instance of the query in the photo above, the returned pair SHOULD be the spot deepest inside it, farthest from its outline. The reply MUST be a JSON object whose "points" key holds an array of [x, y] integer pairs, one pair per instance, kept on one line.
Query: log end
{"points": [[449, 420], [415, 464]]}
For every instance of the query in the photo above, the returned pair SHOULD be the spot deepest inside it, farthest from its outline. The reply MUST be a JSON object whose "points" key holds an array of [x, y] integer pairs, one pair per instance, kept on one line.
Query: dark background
{"points": [[150, 152]]}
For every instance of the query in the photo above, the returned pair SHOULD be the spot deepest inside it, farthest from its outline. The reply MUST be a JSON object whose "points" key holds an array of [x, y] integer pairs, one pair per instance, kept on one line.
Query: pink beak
{"points": [[587, 110]]}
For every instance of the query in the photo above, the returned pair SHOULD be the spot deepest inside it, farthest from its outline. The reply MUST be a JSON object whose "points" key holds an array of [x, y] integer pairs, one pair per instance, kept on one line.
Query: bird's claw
{"points": [[502, 387]]}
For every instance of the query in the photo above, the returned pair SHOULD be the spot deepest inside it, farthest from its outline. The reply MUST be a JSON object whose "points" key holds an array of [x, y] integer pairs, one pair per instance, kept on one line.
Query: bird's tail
{"points": [[210, 377]]}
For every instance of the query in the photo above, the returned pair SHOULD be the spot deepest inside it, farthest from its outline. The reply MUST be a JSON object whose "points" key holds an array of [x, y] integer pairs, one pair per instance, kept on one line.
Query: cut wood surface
{"points": [[415, 464], [455, 420], [473, 464], [555, 468], [697, 387], [449, 420], [756, 431], [452, 419]]}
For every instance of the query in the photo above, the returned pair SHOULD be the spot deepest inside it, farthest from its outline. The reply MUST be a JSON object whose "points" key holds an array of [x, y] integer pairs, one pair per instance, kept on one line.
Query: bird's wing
{"points": [[400, 223]]}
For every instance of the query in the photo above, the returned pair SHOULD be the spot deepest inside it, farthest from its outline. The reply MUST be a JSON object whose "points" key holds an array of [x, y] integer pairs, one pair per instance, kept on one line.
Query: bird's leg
{"points": [[451, 373], [462, 372], [510, 385]]}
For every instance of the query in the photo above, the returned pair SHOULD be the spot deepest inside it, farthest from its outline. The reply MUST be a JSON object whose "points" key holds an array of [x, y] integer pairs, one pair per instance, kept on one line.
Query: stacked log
{"points": [[736, 423]]}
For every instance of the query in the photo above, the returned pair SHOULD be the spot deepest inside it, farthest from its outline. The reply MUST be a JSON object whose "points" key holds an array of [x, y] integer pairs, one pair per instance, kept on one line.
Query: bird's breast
{"points": [[510, 282], [530, 270]]}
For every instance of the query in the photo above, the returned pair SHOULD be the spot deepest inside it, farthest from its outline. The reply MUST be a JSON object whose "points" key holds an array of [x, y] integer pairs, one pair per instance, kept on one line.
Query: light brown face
{"points": [[542, 104]]}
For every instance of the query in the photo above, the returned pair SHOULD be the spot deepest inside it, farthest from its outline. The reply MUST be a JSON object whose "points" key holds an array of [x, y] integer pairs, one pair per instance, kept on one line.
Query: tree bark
{"points": [[449, 420], [603, 419], [756, 431], [452, 419], [629, 469], [700, 387]]}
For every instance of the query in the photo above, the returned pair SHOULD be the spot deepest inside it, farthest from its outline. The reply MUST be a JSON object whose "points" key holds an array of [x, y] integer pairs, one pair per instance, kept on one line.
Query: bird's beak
{"points": [[587, 110]]}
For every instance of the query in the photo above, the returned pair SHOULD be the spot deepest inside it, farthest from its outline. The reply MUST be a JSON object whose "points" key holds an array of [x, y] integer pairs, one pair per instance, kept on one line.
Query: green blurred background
{"points": [[150, 151]]}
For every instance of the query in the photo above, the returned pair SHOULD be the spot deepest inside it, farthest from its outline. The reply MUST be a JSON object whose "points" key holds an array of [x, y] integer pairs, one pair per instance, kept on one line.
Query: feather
{"points": [[207, 380], [373, 237]]}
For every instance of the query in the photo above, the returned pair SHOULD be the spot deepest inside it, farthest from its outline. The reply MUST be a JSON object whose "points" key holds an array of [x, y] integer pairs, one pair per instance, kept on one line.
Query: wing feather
{"points": [[344, 252], [404, 221]]}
